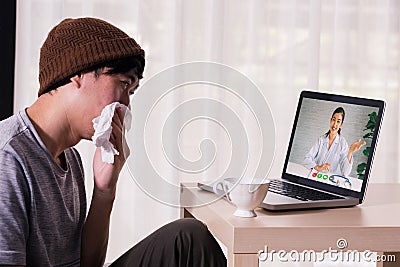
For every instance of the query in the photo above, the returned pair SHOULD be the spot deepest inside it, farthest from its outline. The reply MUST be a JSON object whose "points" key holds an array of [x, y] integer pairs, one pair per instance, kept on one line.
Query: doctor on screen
{"points": [[331, 153]]}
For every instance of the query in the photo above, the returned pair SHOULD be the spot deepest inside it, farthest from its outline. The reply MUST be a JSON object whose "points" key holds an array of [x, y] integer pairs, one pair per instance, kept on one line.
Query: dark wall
{"points": [[7, 56]]}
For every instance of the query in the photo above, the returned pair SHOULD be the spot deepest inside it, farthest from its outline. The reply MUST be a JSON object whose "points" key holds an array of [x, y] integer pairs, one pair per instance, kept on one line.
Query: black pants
{"points": [[184, 242]]}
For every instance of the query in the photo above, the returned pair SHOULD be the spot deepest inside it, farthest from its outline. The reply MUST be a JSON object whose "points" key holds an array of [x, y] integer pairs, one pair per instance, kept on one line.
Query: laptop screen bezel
{"points": [[380, 104]]}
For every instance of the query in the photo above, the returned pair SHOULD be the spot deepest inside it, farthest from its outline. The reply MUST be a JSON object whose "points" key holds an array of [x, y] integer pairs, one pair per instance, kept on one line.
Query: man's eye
{"points": [[125, 84]]}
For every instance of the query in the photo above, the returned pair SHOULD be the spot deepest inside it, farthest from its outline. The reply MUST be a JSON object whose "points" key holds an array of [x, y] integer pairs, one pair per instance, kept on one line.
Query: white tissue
{"points": [[102, 130]]}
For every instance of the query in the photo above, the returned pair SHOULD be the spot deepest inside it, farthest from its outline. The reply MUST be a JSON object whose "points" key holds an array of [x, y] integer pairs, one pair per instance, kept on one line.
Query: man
{"points": [[85, 65]]}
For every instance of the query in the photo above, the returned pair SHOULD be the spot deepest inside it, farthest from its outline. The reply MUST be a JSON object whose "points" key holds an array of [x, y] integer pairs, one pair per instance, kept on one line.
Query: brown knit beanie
{"points": [[76, 45]]}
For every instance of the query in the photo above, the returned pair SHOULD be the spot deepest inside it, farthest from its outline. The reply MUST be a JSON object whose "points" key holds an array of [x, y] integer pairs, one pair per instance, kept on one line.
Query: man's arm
{"points": [[14, 195], [96, 229]]}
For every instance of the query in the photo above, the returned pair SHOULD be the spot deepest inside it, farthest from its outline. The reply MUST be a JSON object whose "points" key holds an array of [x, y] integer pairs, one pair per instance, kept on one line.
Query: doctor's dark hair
{"points": [[337, 111]]}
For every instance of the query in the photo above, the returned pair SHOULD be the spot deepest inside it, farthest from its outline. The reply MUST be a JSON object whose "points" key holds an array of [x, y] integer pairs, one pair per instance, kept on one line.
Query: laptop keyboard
{"points": [[299, 192]]}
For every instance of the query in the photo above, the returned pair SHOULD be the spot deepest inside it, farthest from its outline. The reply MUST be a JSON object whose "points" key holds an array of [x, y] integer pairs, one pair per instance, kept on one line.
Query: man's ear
{"points": [[76, 80]]}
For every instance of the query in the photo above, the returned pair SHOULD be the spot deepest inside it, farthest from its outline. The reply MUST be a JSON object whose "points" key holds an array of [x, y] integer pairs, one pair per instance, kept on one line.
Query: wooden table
{"points": [[373, 226]]}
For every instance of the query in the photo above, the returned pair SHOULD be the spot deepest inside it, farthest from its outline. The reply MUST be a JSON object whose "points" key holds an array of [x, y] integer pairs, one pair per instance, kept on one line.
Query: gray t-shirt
{"points": [[42, 206]]}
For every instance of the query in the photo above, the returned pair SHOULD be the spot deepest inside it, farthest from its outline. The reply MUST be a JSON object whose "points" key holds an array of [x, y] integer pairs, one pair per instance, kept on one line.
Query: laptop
{"points": [[319, 172]]}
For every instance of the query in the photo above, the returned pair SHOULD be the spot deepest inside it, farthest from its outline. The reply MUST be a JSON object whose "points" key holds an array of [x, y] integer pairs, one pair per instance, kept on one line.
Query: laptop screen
{"points": [[333, 140]]}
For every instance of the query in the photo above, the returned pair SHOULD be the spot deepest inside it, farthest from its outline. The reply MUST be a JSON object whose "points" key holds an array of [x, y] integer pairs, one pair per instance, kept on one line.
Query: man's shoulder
{"points": [[10, 128]]}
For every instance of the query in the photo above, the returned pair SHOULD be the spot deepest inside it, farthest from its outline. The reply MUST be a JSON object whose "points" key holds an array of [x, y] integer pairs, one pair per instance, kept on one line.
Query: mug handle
{"points": [[224, 187]]}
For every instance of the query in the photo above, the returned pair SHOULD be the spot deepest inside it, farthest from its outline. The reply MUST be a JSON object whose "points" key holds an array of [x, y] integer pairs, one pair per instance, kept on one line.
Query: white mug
{"points": [[246, 194]]}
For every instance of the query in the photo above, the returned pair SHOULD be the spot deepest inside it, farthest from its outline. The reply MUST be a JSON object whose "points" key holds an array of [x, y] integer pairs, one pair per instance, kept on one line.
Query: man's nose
{"points": [[125, 100]]}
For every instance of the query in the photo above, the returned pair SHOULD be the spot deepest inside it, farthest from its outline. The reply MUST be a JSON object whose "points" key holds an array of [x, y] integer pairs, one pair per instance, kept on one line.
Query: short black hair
{"points": [[121, 65]]}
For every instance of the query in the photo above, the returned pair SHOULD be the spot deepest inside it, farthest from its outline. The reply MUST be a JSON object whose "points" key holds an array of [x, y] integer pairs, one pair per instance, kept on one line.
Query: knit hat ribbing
{"points": [[75, 45]]}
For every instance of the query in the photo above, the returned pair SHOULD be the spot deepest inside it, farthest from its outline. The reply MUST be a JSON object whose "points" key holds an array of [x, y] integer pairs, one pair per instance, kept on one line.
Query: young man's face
{"points": [[111, 88], [102, 89]]}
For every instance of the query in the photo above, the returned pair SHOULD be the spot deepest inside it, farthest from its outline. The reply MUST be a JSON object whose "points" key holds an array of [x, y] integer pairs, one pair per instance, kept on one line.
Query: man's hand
{"points": [[96, 228], [105, 174]]}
